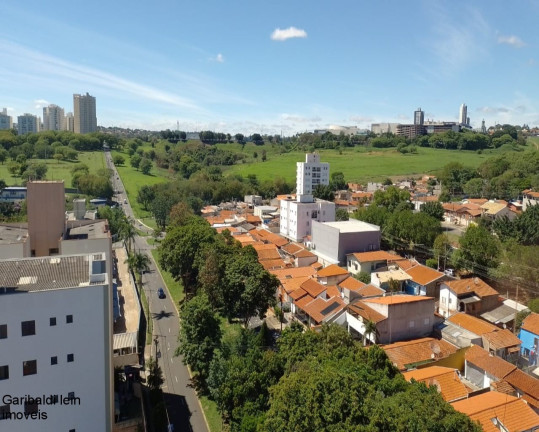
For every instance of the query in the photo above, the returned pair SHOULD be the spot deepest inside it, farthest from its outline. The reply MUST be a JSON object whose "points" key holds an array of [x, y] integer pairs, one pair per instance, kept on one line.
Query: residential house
{"points": [[529, 198], [352, 289], [425, 281], [332, 275], [409, 354], [418, 201], [447, 381], [471, 295], [504, 314], [499, 412], [300, 256], [382, 279], [461, 214], [529, 335], [495, 209], [369, 261]]}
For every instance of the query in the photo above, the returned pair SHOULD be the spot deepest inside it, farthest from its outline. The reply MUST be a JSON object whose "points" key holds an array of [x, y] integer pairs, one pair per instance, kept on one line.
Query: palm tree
{"points": [[370, 329], [128, 233], [138, 263]]}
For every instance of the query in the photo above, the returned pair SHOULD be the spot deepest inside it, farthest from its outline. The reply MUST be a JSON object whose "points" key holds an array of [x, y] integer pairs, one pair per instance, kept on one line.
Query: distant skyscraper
{"points": [[69, 122], [419, 117], [463, 114], [53, 118], [6, 122], [483, 127], [85, 116], [27, 123]]}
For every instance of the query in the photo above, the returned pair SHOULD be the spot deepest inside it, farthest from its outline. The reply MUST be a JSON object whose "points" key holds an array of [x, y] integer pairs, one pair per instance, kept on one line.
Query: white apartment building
{"points": [[56, 344], [27, 123], [69, 122], [6, 121], [296, 215], [53, 118], [85, 119]]}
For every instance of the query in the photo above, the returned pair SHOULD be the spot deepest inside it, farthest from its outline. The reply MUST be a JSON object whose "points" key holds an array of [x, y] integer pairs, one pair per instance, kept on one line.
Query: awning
{"points": [[124, 340]]}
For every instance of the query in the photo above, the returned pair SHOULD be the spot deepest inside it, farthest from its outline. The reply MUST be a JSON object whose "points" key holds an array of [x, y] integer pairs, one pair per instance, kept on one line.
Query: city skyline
{"points": [[270, 68]]}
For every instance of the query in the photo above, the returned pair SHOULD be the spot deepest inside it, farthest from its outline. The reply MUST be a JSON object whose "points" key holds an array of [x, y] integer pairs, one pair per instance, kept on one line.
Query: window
{"points": [[29, 367], [411, 324], [4, 372], [4, 411], [28, 328], [53, 251], [3, 331], [355, 266], [449, 300], [54, 360], [52, 321], [72, 430], [426, 321], [69, 319], [31, 408], [70, 358]]}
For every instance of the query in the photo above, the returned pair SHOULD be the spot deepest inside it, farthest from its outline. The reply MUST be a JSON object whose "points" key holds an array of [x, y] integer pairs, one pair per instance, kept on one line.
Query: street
{"points": [[183, 406]]}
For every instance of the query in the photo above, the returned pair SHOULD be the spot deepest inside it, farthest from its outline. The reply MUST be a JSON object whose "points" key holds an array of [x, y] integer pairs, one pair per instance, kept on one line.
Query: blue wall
{"points": [[528, 340]]}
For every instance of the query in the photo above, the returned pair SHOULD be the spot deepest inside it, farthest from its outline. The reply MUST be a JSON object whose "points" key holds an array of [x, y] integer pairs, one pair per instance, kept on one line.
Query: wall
{"points": [[363, 241], [528, 341], [474, 374]]}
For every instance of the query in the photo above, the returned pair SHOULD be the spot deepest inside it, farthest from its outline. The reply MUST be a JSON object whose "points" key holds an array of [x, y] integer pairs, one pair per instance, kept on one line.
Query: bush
{"points": [[432, 263]]}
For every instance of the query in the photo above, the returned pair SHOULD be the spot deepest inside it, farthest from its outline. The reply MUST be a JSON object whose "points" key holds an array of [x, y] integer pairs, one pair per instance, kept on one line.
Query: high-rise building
{"points": [[419, 117], [69, 122], [297, 214], [84, 113], [483, 127], [463, 114], [27, 123], [53, 118], [6, 122]]}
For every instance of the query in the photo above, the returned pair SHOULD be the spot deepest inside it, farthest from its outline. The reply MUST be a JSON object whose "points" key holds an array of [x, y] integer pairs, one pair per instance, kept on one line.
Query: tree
{"points": [[200, 334], [118, 160], [135, 161], [239, 138], [391, 198], [370, 329], [180, 215], [324, 192], [127, 232], [58, 157], [257, 139], [145, 195], [363, 276], [138, 263], [3, 155], [442, 249], [155, 375], [337, 181], [434, 209], [478, 250], [145, 165], [341, 214]]}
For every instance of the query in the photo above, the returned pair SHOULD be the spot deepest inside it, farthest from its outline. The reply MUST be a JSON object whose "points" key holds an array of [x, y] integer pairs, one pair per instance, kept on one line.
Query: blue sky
{"points": [[265, 66]]}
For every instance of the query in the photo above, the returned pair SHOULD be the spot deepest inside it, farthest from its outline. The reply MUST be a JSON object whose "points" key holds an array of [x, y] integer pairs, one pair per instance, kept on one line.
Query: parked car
{"points": [[161, 293]]}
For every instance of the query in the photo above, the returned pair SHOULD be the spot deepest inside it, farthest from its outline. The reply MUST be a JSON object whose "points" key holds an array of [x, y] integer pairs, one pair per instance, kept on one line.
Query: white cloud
{"points": [[289, 33], [512, 40], [40, 103], [220, 58], [299, 118], [493, 110]]}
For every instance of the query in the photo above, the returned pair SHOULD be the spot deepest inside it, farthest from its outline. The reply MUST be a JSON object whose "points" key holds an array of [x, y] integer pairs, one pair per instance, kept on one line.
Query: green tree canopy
{"points": [[478, 250]]}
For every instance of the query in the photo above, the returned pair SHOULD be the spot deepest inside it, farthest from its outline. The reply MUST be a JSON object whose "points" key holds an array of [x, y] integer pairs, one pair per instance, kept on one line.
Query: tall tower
{"points": [[463, 114], [483, 127], [27, 123], [6, 122], [53, 118], [310, 174], [84, 113], [419, 117]]}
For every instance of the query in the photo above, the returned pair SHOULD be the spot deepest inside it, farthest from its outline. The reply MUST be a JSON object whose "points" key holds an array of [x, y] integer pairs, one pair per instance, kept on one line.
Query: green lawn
{"points": [[359, 164], [59, 170]]}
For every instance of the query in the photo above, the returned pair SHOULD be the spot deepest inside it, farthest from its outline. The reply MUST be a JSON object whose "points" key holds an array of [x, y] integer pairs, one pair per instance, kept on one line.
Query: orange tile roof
{"points": [[375, 256], [524, 382], [293, 272], [283, 197], [531, 323], [303, 301], [398, 299], [320, 309], [427, 198], [503, 387], [333, 291], [404, 264], [531, 193], [478, 201], [291, 285], [273, 264], [469, 285], [304, 253], [252, 218], [495, 366], [365, 312], [368, 195], [331, 270], [214, 220], [297, 294], [416, 351], [513, 413], [312, 287], [231, 229], [445, 379], [423, 275], [502, 339], [317, 265], [245, 239], [264, 246], [370, 291], [342, 202], [473, 324], [292, 248], [352, 284], [452, 207], [268, 254]]}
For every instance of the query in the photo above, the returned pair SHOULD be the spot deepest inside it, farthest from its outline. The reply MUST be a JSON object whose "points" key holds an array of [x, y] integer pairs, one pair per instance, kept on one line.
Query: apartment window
{"points": [[53, 251], [52, 321], [411, 324], [28, 328], [3, 331], [4, 372], [349, 263], [426, 321], [29, 367], [72, 430], [54, 360], [449, 300], [31, 408], [355, 266], [70, 358], [69, 319], [4, 411]]}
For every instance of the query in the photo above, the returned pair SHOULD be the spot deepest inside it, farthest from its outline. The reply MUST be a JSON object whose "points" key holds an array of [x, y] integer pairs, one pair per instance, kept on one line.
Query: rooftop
{"points": [[375, 256], [320, 309], [472, 324], [423, 274], [87, 229], [465, 286], [331, 270], [531, 323], [364, 311], [524, 382], [495, 366], [398, 299], [395, 274], [312, 287], [445, 379], [352, 225], [10, 234], [352, 284], [502, 339], [423, 350]]}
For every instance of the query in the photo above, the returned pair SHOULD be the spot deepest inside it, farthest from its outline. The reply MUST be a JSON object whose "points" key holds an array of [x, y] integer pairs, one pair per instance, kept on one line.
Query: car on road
{"points": [[161, 293]]}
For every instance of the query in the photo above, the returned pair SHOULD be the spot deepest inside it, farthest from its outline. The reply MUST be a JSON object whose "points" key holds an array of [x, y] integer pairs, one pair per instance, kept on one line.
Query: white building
{"points": [[69, 122], [463, 114], [6, 121], [53, 118], [297, 214], [56, 344], [27, 123], [85, 119]]}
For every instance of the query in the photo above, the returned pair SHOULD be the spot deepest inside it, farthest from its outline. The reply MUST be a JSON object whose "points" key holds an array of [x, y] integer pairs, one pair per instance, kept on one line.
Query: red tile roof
{"points": [[331, 270], [424, 275], [469, 285], [502, 339], [312, 287], [404, 354], [320, 309], [297, 294], [304, 253], [370, 291], [365, 312], [398, 299], [445, 379], [493, 365], [273, 264], [292, 248], [473, 324], [293, 272], [375, 256], [531, 323], [268, 254], [352, 284], [333, 291], [317, 265], [524, 382], [303, 301], [264, 246]]}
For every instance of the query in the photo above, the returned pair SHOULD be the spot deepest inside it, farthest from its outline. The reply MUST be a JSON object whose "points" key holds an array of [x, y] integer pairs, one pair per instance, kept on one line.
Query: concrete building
{"points": [[56, 342], [419, 117], [85, 119], [297, 214], [410, 130], [472, 296], [69, 122], [381, 128], [53, 118], [463, 115], [13, 194], [6, 121], [27, 123], [332, 241]]}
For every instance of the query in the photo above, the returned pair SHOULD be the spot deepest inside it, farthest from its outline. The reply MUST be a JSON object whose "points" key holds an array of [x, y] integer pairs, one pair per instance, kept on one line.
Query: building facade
{"points": [[69, 122], [6, 121], [463, 114], [84, 107], [27, 123], [419, 117], [53, 118]]}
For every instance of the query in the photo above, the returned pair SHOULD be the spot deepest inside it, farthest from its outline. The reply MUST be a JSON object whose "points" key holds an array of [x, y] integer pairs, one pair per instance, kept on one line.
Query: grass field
{"points": [[175, 288], [59, 170], [361, 165]]}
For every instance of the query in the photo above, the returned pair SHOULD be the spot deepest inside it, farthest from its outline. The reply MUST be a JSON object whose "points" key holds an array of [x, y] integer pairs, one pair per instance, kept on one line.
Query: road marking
{"points": [[168, 346], [176, 378], [169, 329], [171, 360]]}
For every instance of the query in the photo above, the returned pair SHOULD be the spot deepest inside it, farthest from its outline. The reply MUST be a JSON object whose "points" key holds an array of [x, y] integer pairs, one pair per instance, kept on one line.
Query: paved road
{"points": [[181, 399]]}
